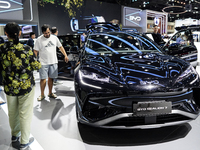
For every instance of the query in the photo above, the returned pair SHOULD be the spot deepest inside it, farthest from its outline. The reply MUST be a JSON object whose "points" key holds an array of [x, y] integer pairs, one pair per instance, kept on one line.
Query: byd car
{"points": [[125, 80]]}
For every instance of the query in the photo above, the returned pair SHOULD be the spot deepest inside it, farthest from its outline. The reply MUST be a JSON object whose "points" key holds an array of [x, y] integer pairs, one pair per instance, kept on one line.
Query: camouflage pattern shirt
{"points": [[18, 63]]}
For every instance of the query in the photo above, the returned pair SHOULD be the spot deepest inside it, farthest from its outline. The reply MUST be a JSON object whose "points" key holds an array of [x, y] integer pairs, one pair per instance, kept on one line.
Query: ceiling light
{"points": [[171, 12]]}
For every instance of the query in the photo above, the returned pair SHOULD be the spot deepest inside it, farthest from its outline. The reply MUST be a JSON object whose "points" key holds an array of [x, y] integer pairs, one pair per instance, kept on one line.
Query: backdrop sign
{"points": [[74, 25], [131, 17], [156, 21], [27, 29], [11, 9]]}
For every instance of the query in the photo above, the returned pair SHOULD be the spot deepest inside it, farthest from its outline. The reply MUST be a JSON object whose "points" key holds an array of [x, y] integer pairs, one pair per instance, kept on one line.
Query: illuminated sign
{"points": [[74, 25], [27, 29], [156, 21], [7, 4], [131, 17], [11, 10], [135, 18]]}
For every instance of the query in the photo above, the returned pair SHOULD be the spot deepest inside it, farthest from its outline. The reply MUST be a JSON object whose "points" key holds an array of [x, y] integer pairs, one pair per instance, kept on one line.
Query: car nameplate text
{"points": [[152, 108]]}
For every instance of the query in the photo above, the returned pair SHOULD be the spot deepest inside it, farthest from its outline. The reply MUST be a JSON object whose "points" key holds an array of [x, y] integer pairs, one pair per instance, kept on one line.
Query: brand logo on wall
{"points": [[131, 17], [27, 29], [135, 18], [11, 9], [74, 25], [156, 21]]}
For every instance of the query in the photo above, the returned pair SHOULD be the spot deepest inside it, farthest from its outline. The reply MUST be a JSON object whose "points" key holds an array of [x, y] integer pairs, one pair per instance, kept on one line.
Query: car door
{"points": [[182, 45]]}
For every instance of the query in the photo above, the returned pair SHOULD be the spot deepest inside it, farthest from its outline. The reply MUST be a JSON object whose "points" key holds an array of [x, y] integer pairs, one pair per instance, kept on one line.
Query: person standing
{"points": [[46, 45], [1, 41], [157, 36], [54, 31], [30, 41], [18, 62], [83, 36]]}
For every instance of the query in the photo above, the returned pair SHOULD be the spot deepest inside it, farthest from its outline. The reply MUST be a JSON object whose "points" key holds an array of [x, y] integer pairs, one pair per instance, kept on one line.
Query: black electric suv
{"points": [[125, 80]]}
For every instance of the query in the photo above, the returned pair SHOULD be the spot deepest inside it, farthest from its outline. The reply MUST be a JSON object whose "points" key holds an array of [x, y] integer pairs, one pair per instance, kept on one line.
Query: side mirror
{"points": [[173, 38]]}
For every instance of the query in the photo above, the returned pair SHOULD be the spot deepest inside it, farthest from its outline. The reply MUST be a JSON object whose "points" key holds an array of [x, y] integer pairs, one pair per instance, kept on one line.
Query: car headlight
{"points": [[93, 76], [189, 71]]}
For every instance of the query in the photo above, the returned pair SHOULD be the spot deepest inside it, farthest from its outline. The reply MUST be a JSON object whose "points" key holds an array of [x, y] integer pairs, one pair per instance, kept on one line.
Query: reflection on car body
{"points": [[125, 80]]}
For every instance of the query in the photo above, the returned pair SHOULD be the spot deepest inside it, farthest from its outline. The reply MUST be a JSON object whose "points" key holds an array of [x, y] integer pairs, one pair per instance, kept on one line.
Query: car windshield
{"points": [[120, 43]]}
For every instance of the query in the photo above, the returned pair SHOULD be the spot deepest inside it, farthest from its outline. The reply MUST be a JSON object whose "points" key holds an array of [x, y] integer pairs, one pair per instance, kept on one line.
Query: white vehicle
{"points": [[184, 44]]}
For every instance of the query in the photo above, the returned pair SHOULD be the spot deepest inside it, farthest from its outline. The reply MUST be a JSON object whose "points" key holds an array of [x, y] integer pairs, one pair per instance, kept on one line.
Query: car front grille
{"points": [[135, 121]]}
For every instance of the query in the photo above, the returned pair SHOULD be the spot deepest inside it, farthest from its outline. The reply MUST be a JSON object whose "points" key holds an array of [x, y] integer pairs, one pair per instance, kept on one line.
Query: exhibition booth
{"points": [[125, 92]]}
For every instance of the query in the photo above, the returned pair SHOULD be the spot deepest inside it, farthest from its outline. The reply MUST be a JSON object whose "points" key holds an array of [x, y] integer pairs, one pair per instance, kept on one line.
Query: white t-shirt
{"points": [[47, 49]]}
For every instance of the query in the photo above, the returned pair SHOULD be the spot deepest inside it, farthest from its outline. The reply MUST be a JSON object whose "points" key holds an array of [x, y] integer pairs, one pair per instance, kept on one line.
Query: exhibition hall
{"points": [[99, 74]]}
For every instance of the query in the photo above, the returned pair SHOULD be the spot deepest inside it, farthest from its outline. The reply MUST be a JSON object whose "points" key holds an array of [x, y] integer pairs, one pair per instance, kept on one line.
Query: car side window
{"points": [[111, 43]]}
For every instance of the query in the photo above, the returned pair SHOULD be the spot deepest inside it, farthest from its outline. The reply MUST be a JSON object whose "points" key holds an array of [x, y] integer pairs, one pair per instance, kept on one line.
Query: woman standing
{"points": [[18, 63]]}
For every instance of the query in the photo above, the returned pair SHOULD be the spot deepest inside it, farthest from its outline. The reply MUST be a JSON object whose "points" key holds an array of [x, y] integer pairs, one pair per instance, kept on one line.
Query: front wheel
{"points": [[77, 115], [196, 96]]}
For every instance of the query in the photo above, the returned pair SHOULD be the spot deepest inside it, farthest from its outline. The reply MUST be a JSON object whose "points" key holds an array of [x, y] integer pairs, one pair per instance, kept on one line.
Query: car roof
{"points": [[187, 27], [102, 27]]}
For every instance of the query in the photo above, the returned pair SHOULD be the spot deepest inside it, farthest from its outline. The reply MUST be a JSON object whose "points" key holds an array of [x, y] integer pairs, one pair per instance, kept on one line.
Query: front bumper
{"points": [[116, 111]]}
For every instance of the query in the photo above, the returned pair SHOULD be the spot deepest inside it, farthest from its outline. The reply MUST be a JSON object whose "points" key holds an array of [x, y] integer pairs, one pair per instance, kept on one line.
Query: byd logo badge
{"points": [[131, 16], [155, 82], [135, 18], [4, 4]]}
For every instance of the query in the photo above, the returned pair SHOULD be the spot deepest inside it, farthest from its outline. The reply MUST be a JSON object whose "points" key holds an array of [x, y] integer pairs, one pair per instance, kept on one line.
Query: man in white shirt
{"points": [[46, 46]]}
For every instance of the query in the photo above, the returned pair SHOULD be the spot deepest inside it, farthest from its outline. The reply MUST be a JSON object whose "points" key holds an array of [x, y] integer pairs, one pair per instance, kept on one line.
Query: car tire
{"points": [[77, 115], [196, 96]]}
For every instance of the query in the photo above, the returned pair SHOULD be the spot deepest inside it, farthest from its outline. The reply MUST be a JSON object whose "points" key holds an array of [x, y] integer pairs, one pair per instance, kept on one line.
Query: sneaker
{"points": [[2, 102], [15, 139], [25, 146]]}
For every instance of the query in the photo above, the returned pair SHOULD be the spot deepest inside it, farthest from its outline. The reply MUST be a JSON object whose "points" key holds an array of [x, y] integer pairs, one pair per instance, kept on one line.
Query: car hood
{"points": [[134, 69]]}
